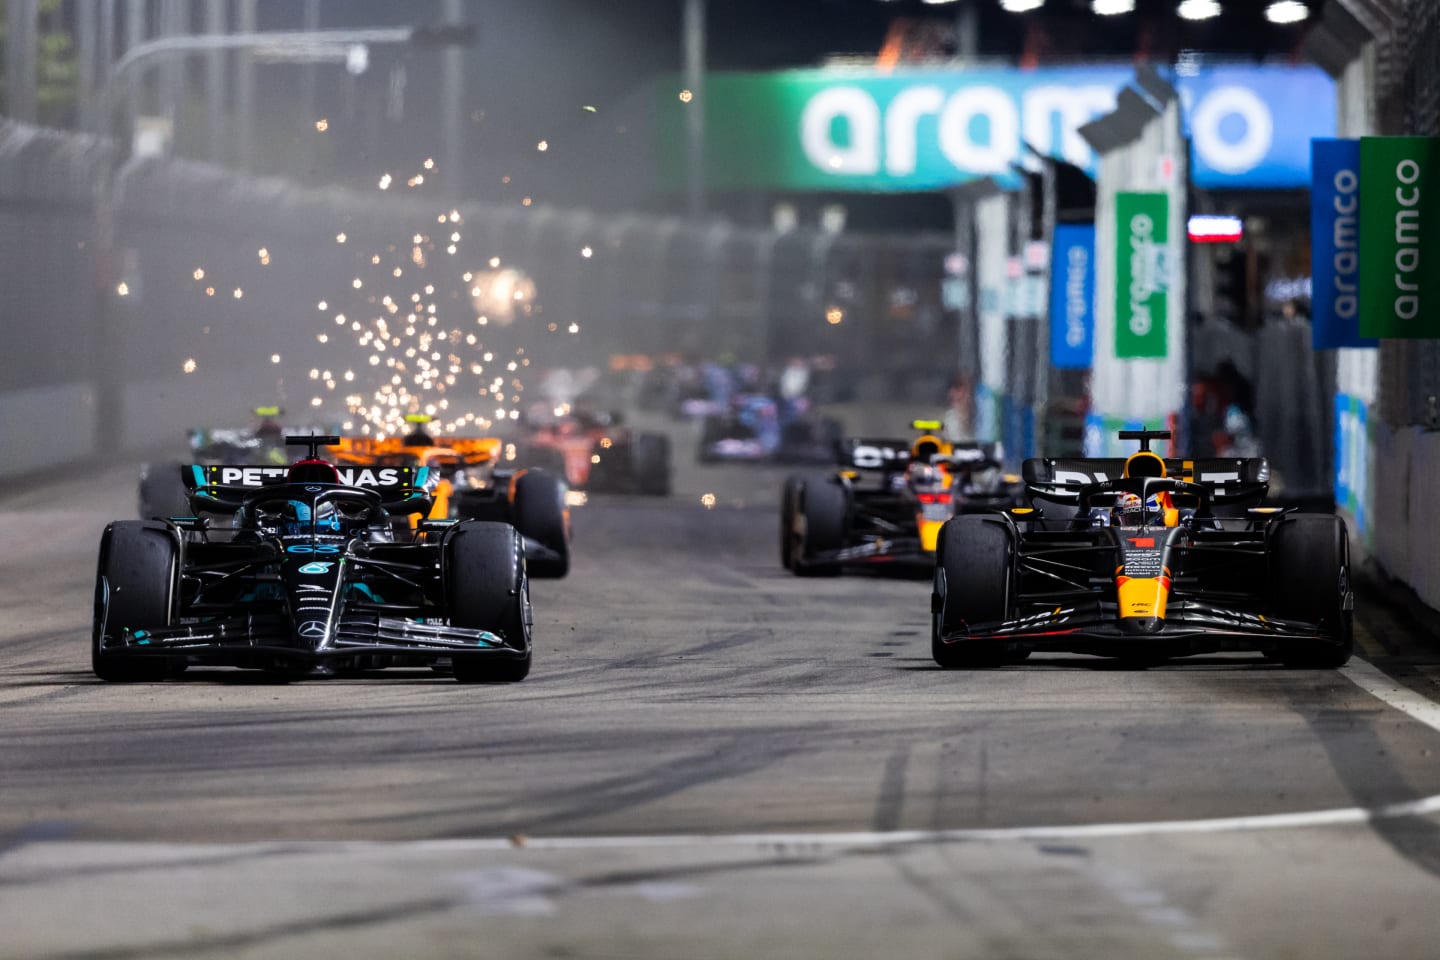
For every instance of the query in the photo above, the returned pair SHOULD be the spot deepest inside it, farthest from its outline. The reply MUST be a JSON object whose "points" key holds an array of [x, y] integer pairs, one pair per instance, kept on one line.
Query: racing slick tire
{"points": [[162, 492], [973, 561], [136, 583], [544, 458], [789, 497], [824, 503], [1310, 581], [539, 514], [487, 589], [650, 464]]}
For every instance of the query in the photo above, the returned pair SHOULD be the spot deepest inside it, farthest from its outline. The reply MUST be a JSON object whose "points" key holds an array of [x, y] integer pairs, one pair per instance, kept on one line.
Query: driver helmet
{"points": [[300, 520], [1129, 511]]}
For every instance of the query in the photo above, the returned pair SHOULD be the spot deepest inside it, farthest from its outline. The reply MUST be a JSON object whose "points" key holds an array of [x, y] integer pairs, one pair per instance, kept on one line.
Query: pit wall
{"points": [[1384, 472]]}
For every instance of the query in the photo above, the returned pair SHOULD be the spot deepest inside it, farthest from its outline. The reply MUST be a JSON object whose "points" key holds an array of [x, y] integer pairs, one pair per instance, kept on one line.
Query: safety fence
{"points": [[1387, 406]]}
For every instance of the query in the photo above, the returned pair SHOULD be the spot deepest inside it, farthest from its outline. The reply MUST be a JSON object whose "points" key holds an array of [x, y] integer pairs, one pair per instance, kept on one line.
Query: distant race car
{"points": [[595, 453], [466, 479], [310, 575], [161, 491], [754, 431], [887, 503], [1145, 558]]}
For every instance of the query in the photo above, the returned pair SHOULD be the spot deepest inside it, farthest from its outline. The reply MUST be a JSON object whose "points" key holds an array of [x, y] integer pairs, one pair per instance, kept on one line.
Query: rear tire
{"points": [[824, 502], [973, 561], [136, 584], [539, 514], [487, 589], [650, 463], [1310, 581], [789, 495]]}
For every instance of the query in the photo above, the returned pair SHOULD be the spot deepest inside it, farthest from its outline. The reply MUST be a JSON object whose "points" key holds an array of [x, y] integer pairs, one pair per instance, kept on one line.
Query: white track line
{"points": [[1375, 682], [1276, 821]]}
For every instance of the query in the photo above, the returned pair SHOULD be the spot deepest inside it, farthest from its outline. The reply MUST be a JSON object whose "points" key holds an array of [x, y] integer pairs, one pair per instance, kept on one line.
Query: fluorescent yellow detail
{"points": [[1022, 509], [1135, 459], [929, 533], [926, 425], [1143, 596], [942, 447]]}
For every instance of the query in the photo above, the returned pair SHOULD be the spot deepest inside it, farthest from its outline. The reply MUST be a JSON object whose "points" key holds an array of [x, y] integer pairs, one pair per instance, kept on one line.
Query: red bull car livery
{"points": [[1145, 557]]}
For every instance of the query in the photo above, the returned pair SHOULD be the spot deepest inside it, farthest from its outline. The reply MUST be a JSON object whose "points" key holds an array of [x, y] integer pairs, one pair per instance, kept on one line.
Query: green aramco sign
{"points": [[1400, 237], [1142, 265]]}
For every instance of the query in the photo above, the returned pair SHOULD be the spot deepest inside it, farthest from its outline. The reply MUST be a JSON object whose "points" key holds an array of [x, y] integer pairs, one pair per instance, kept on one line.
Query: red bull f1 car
{"points": [[887, 503], [1144, 558], [301, 571]]}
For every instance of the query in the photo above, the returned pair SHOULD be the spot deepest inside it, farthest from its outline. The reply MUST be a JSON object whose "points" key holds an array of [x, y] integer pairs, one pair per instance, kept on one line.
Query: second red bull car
{"points": [[1144, 558], [887, 503]]}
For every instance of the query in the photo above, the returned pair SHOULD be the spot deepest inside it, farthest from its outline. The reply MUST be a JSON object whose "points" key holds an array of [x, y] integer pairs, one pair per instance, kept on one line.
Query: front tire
{"points": [[973, 561], [136, 584], [539, 513], [487, 589], [1310, 582], [824, 503], [650, 464], [789, 495]]}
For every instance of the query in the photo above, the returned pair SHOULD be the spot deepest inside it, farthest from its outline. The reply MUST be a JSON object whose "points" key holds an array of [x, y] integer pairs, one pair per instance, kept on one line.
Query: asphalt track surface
{"points": [[711, 759]]}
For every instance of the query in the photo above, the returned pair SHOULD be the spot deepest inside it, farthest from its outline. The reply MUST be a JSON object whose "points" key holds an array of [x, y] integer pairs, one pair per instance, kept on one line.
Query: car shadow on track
{"points": [[1105, 664]]}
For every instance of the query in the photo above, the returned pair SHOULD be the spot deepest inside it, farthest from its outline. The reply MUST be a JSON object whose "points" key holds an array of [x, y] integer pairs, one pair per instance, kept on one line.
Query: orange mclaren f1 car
{"points": [[468, 480]]}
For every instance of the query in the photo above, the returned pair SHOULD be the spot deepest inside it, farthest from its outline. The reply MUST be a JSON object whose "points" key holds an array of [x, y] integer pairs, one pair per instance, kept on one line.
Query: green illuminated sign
{"points": [[1400, 237], [1142, 231]]}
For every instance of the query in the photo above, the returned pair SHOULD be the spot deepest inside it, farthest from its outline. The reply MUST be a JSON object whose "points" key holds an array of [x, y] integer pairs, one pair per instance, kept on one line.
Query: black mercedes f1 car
{"points": [[291, 571], [1143, 558]]}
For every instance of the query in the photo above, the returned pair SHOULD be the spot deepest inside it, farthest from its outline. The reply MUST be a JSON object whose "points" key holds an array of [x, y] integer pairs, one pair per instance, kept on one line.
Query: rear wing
{"points": [[865, 454], [976, 454], [1229, 479], [222, 488], [470, 450]]}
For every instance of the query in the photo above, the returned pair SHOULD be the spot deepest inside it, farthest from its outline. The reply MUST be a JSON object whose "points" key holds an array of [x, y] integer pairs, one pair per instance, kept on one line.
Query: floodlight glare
{"points": [[1109, 8], [1198, 9], [1287, 11], [1021, 6]]}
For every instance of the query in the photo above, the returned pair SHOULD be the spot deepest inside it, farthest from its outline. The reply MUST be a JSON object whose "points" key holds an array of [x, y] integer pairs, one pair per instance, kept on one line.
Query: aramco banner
{"points": [[1399, 238], [1142, 274], [1072, 297], [1335, 244], [842, 129]]}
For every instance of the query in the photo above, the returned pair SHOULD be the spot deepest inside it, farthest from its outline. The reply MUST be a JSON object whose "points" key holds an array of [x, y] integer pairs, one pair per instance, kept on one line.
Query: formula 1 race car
{"points": [[754, 430], [162, 489], [594, 453], [465, 481], [1143, 558], [888, 502], [312, 575]]}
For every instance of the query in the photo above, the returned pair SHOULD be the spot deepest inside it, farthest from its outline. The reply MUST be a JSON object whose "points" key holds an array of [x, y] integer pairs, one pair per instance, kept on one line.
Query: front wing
{"points": [[261, 640], [1192, 626]]}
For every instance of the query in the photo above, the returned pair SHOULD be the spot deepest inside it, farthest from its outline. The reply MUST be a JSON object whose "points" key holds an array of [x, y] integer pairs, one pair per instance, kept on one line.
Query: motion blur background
{"points": [[392, 213]]}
